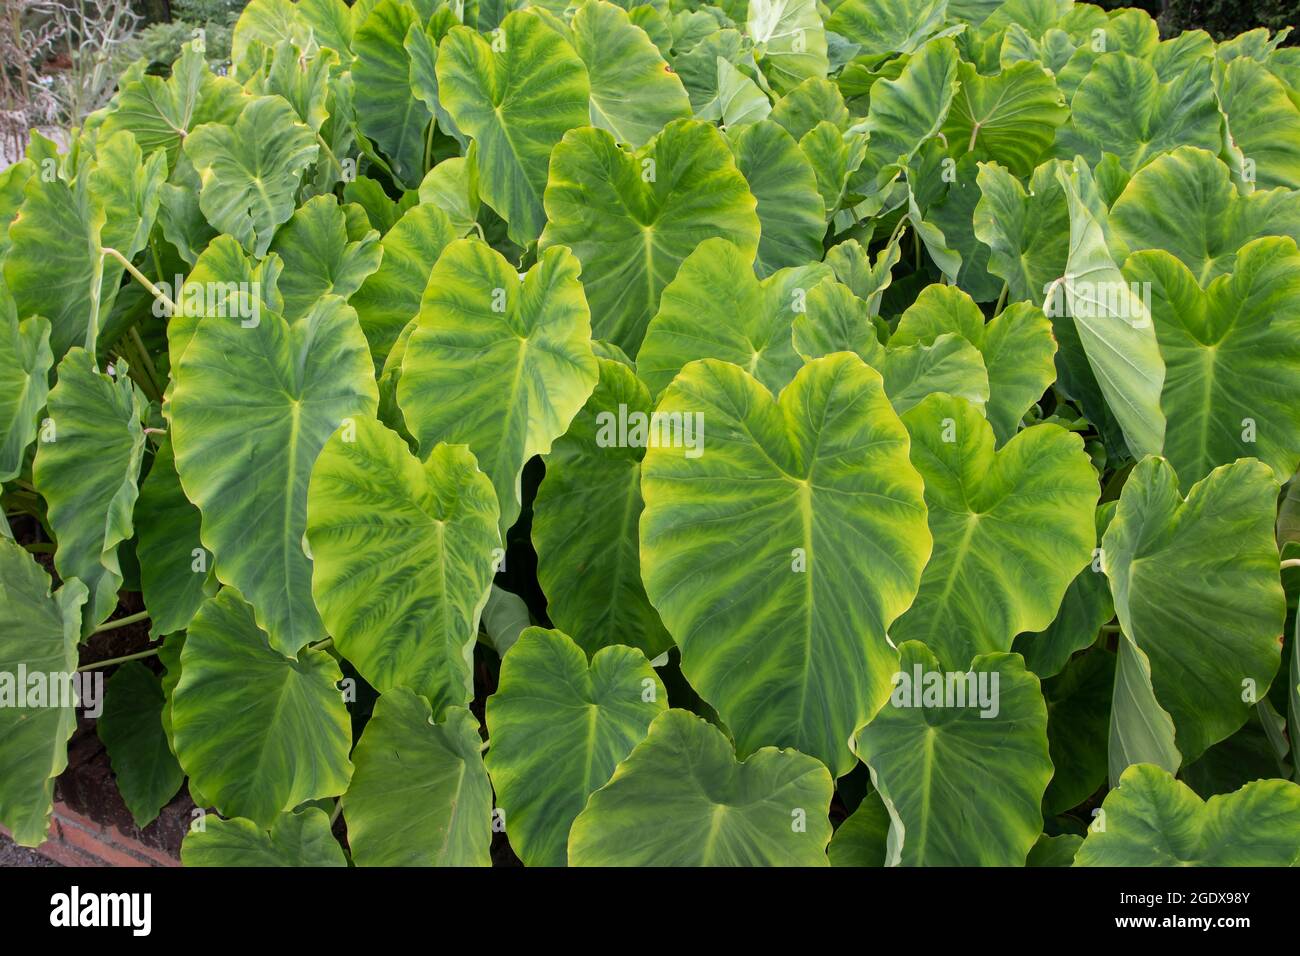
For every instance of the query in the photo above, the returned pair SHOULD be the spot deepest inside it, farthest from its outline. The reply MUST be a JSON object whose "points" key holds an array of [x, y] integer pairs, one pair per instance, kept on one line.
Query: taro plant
{"points": [[771, 433]]}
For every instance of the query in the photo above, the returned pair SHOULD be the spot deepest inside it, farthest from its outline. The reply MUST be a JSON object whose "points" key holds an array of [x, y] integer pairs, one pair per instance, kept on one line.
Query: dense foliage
{"points": [[777, 432]]}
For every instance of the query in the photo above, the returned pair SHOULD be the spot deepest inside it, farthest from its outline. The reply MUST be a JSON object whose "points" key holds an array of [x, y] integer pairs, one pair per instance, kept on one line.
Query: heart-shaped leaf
{"points": [[321, 256], [484, 336], [516, 96], [632, 218], [634, 94], [1009, 118], [1154, 820], [1185, 203], [1232, 358], [38, 636], [716, 307], [960, 760], [777, 490], [302, 838], [682, 799], [557, 729], [420, 795], [1011, 529], [25, 362], [257, 732], [251, 169], [1196, 588], [402, 554], [87, 463], [585, 520], [147, 774], [791, 214]]}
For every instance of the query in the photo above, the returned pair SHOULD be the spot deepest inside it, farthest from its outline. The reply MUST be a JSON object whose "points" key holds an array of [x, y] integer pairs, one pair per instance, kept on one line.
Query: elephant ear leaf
{"points": [[1017, 348], [1197, 591], [682, 799], [160, 113], [962, 777], [387, 112], [257, 732], [484, 336], [516, 97], [1185, 203], [420, 795], [1011, 529], [1231, 350], [592, 580], [251, 170], [557, 730], [39, 632], [87, 464], [301, 838], [390, 298], [632, 218], [319, 256], [633, 92], [789, 41], [402, 558], [784, 485], [716, 307], [1152, 819], [1009, 118], [253, 403], [791, 211]]}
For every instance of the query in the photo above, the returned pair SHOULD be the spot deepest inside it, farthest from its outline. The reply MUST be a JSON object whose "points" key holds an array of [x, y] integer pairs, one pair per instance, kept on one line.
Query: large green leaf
{"points": [[1232, 358], [905, 112], [1185, 203], [1154, 820], [38, 635], [1011, 529], [390, 298], [716, 307], [402, 554], [783, 489], [251, 410], [1156, 116], [420, 795], [295, 839], [87, 463], [387, 111], [496, 362], [1263, 120], [1017, 348], [320, 255], [790, 208], [1196, 588], [632, 218], [789, 41], [257, 732], [1009, 118], [516, 96], [251, 169], [160, 113], [863, 838], [1111, 320], [1028, 233], [962, 777], [633, 92], [585, 520], [55, 266], [557, 729], [131, 728], [25, 363], [887, 26], [682, 799]]}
